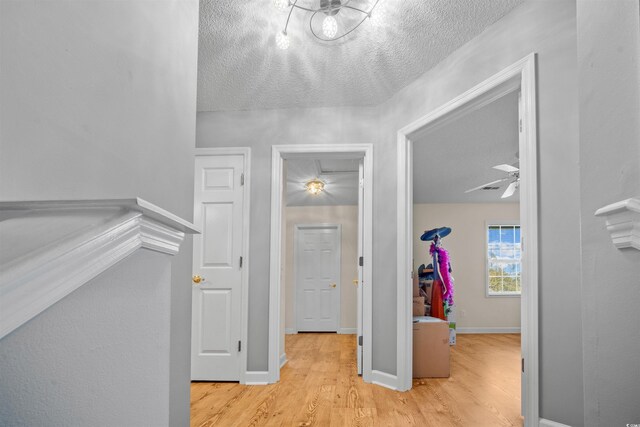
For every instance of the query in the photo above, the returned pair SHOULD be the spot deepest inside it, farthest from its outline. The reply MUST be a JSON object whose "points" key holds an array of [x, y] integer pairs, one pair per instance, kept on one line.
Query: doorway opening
{"points": [[519, 78], [321, 246]]}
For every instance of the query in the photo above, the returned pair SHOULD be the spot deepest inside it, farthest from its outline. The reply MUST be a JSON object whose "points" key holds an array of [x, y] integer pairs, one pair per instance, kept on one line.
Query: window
{"points": [[503, 259]]}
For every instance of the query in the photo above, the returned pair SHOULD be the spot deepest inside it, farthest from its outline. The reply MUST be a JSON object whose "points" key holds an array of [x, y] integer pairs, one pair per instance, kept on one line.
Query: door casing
{"points": [[520, 75], [278, 154]]}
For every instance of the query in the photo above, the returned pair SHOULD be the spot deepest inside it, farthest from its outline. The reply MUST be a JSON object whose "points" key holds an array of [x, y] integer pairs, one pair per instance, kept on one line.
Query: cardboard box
{"points": [[416, 287], [419, 309], [430, 348], [427, 286]]}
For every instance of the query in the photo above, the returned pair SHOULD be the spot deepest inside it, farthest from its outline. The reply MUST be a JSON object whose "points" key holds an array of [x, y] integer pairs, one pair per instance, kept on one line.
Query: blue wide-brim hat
{"points": [[431, 234]]}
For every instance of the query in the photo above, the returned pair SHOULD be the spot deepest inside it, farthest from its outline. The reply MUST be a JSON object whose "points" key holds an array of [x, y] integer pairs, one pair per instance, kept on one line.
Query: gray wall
{"points": [[97, 357], [260, 130], [98, 101], [549, 29], [545, 27], [609, 71]]}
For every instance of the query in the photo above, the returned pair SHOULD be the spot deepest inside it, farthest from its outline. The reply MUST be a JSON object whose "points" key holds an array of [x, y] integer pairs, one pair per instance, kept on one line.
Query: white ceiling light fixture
{"points": [[329, 25], [315, 186]]}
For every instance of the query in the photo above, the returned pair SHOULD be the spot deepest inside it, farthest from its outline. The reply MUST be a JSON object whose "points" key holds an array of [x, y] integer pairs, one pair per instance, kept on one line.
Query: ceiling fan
{"points": [[513, 175]]}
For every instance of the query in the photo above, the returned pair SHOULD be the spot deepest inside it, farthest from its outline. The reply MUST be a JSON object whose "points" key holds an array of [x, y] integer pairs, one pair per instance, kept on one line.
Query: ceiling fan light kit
{"points": [[330, 27]]}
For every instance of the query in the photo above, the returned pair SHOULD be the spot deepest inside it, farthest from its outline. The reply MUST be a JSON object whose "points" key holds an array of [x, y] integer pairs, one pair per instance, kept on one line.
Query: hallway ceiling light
{"points": [[330, 25], [315, 186]]}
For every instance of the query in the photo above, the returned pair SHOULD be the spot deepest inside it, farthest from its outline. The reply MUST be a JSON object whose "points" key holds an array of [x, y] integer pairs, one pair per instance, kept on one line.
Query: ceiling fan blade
{"points": [[506, 168], [486, 185], [510, 190]]}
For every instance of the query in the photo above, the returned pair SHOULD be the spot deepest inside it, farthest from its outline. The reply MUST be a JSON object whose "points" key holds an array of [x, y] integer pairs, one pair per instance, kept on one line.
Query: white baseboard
{"points": [[490, 330], [385, 380], [290, 331], [283, 360], [348, 331], [548, 423], [256, 378]]}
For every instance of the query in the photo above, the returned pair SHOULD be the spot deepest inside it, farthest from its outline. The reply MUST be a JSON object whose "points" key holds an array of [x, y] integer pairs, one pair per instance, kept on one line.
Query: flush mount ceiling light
{"points": [[325, 19], [315, 186]]}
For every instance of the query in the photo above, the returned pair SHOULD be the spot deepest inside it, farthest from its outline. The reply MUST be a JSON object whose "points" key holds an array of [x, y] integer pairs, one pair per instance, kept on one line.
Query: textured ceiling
{"points": [[340, 177], [240, 68], [460, 155]]}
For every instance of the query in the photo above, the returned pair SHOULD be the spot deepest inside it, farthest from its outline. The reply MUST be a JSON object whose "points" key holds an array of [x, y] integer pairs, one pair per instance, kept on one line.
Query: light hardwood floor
{"points": [[319, 387]]}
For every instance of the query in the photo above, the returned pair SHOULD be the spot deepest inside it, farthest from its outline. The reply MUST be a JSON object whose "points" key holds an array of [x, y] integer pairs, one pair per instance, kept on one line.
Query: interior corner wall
{"points": [[347, 217], [260, 130], [467, 246], [609, 78], [98, 101], [547, 28]]}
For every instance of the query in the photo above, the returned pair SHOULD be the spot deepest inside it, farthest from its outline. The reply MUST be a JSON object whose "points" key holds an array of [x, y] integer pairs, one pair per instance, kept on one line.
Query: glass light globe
{"points": [[378, 16], [329, 27], [281, 4], [282, 40]]}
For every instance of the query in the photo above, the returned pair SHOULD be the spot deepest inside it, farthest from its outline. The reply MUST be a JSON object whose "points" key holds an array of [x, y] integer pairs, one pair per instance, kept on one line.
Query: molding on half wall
{"points": [[489, 330], [256, 378], [548, 423], [283, 360], [348, 331], [290, 331], [385, 380]]}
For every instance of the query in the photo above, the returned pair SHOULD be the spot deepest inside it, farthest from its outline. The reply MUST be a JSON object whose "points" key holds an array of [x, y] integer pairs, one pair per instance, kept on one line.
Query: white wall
{"points": [[609, 76], [98, 101], [99, 356], [467, 248], [347, 216]]}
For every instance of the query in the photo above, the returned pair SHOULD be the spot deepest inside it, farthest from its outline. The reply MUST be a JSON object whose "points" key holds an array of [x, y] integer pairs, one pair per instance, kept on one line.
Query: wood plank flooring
{"points": [[319, 387]]}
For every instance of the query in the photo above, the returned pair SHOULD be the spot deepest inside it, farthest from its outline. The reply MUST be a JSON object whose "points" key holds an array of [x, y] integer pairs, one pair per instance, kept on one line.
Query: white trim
{"points": [[348, 331], [488, 330], [32, 283], [549, 423], [317, 226], [623, 222], [525, 72], [385, 380], [256, 378], [278, 154], [246, 204], [290, 331], [283, 360]]}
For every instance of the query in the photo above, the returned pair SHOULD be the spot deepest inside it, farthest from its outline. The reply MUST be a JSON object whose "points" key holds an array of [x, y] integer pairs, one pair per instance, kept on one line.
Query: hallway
{"points": [[319, 387]]}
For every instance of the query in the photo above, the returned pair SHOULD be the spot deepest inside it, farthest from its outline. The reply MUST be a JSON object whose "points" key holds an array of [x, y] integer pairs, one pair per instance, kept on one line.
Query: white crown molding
{"points": [[56, 266], [623, 222]]}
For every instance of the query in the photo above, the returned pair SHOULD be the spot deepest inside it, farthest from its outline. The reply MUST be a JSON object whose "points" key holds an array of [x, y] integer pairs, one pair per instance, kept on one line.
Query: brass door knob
{"points": [[197, 279], [333, 285]]}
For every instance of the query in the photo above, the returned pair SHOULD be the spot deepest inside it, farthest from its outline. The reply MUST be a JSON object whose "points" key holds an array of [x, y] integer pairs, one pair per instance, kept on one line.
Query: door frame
{"points": [[278, 154], [246, 216], [522, 75], [317, 226]]}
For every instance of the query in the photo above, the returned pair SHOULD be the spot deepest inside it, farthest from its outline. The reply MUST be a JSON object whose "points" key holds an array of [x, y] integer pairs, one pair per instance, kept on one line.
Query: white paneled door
{"points": [[317, 275], [217, 268]]}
